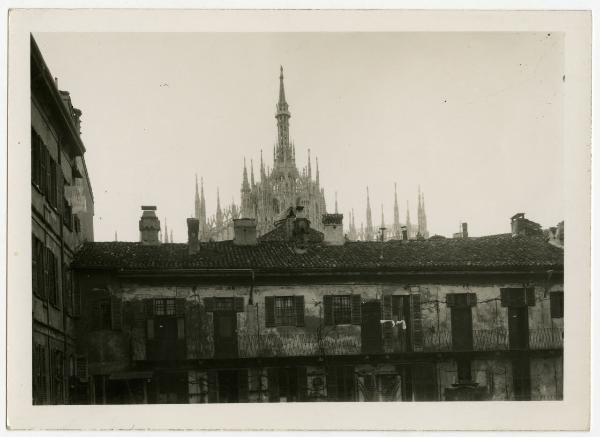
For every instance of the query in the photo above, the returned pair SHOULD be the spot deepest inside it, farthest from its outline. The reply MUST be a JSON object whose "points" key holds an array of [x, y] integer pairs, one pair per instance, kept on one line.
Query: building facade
{"points": [[299, 314], [62, 210]]}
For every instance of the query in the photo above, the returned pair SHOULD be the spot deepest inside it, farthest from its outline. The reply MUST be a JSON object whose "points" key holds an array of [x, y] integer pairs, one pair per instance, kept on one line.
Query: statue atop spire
{"points": [[282, 116]]}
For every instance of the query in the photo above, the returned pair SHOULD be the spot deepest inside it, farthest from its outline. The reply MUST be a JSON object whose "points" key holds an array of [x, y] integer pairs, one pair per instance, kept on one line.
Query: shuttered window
{"points": [[51, 277], [342, 309], [517, 297], [103, 315], [557, 299], [37, 267], [39, 375], [284, 311]]}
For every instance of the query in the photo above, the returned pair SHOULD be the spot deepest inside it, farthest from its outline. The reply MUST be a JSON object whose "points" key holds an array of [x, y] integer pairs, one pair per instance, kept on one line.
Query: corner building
{"points": [[303, 315], [62, 210]]}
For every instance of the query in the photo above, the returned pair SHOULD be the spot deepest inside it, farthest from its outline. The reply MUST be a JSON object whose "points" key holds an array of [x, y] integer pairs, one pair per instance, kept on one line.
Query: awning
{"points": [[131, 375]]}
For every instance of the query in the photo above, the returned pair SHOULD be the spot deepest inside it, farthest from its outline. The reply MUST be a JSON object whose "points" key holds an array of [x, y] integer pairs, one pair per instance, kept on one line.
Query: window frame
{"points": [[284, 315], [559, 299], [345, 304]]}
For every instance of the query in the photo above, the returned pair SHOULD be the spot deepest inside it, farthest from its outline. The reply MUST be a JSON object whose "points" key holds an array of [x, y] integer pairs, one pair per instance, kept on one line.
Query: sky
{"points": [[474, 119]]}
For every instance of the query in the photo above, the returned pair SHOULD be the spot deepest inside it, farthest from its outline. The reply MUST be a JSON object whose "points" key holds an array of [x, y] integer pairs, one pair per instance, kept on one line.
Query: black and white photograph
{"points": [[259, 217]]}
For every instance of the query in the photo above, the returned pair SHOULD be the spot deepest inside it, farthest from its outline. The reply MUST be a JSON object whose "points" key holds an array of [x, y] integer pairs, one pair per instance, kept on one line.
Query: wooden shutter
{"points": [[49, 163], [81, 367], [516, 297], [34, 266], [355, 314], [273, 384], [243, 385], [43, 158], [416, 325], [213, 386], [302, 384], [238, 304], [150, 329], [209, 304], [530, 296], [387, 329], [299, 308], [424, 382], [180, 307], [269, 311], [332, 385], [116, 313], [557, 304], [328, 310], [149, 307], [451, 300]]}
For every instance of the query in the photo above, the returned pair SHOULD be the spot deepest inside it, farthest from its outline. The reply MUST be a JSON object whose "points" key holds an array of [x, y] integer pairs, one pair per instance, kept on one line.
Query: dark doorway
{"points": [[165, 343], [462, 328], [169, 388], [424, 382], [521, 379], [370, 332], [518, 327], [225, 334], [228, 386]]}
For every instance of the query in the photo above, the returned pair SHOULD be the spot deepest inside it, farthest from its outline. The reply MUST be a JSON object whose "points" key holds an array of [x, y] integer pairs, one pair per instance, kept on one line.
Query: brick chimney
{"points": [[193, 225], [244, 232], [333, 229], [149, 226]]}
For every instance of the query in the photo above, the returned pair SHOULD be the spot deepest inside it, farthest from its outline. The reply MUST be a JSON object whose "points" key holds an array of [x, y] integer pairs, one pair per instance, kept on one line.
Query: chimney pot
{"points": [[333, 229], [149, 226], [244, 232], [404, 233], [193, 225]]}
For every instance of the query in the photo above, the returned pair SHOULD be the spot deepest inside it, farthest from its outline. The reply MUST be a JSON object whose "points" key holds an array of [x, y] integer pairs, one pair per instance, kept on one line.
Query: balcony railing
{"points": [[274, 344]]}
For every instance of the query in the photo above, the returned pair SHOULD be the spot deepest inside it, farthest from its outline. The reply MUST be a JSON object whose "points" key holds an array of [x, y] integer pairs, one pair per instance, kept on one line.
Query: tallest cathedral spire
{"points": [[283, 123]]}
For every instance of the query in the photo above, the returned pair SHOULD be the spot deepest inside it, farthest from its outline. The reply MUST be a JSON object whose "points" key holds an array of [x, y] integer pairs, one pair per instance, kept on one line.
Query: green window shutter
{"points": [[209, 304], [116, 313], [328, 310], [416, 325], [213, 386], [355, 311], [530, 296], [269, 311], [302, 384], [299, 307], [243, 385], [238, 304], [332, 385], [180, 307], [273, 384]]}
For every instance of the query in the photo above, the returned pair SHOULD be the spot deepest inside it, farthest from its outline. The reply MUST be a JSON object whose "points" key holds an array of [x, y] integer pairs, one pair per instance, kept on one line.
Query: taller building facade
{"points": [[62, 210]]}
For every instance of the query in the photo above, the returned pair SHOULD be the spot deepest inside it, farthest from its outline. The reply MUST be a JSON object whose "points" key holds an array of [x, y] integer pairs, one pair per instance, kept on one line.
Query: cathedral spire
{"points": [[336, 207], [369, 230], [282, 104], [197, 201], [245, 185], [309, 170], [219, 214], [382, 219], [262, 168], [396, 230], [166, 236], [252, 184], [317, 177], [408, 225], [283, 117]]}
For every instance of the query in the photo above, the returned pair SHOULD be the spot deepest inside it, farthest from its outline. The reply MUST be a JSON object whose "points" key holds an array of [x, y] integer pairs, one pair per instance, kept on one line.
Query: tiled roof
{"points": [[500, 252]]}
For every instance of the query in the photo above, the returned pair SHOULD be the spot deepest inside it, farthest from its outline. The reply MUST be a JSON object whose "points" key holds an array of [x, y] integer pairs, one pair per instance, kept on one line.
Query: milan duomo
{"points": [[284, 186]]}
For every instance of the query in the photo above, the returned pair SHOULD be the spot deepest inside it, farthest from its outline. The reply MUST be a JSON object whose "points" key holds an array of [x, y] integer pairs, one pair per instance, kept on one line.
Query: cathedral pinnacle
{"points": [[396, 230], [369, 230], [245, 185]]}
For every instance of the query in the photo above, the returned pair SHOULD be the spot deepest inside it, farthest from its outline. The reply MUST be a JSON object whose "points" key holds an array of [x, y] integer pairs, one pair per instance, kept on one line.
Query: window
{"points": [[58, 371], [51, 277], [557, 299], [342, 310], [52, 183], [68, 288], [104, 315], [284, 311], [39, 375], [164, 307], [36, 159], [67, 211], [76, 222], [37, 266]]}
